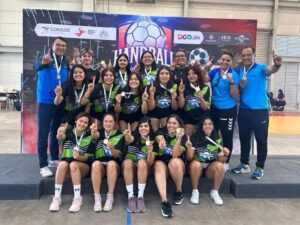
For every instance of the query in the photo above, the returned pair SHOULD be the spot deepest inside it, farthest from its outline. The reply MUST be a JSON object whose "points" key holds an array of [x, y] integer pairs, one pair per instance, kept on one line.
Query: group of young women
{"points": [[152, 120]]}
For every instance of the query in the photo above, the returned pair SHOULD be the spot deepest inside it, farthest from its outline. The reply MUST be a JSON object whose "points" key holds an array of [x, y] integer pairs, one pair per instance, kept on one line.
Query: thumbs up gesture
{"points": [[47, 58]]}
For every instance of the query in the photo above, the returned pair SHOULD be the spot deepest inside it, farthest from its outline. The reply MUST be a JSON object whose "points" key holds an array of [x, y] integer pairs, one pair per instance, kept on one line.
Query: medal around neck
{"points": [[105, 141]]}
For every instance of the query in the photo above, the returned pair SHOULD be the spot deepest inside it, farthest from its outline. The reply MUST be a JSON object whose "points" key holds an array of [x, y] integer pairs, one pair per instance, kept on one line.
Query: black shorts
{"points": [[191, 118], [159, 113]]}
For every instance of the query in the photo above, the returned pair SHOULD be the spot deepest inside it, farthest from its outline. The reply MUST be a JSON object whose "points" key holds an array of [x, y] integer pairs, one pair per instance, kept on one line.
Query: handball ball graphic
{"points": [[199, 54], [145, 33]]}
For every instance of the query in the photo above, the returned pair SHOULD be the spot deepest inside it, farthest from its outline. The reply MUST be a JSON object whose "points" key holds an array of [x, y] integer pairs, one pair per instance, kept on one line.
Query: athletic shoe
{"points": [[76, 204], [53, 163], [178, 198], [195, 197], [226, 167], [166, 209], [108, 203], [257, 174], [141, 205], [97, 205], [46, 172], [56, 202], [131, 207], [214, 195], [242, 168]]}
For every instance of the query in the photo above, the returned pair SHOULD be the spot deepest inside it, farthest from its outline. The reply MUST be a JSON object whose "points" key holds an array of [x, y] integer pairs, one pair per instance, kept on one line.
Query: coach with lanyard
{"points": [[253, 113], [52, 70]]}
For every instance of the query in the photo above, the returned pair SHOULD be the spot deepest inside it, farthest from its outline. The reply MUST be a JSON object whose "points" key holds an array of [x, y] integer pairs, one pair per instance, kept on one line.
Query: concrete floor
{"points": [[234, 212]]}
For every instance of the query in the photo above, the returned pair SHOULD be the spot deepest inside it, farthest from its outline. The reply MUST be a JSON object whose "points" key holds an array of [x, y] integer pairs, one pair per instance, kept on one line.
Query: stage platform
{"points": [[20, 180]]}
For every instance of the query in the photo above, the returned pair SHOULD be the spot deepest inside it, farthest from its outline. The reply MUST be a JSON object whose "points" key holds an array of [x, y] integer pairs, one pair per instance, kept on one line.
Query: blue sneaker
{"points": [[257, 174], [242, 168]]}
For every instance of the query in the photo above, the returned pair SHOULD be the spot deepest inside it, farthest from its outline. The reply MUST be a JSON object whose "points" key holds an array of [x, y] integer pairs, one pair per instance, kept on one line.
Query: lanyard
{"points": [[105, 96], [245, 72], [197, 89], [78, 142], [124, 79], [213, 142], [127, 94], [78, 98], [224, 76], [107, 137], [168, 90], [147, 75], [58, 68]]}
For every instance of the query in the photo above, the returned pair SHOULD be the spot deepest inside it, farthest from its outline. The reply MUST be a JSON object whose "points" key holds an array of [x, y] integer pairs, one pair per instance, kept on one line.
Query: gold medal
{"points": [[122, 93], [224, 76], [102, 62], [76, 149]]}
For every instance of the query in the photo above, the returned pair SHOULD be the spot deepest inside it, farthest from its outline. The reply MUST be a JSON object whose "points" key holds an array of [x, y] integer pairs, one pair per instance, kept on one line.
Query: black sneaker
{"points": [[177, 198], [166, 209]]}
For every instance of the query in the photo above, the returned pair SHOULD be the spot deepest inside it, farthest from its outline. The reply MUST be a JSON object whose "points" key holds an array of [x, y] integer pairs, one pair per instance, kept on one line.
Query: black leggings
{"points": [[224, 120]]}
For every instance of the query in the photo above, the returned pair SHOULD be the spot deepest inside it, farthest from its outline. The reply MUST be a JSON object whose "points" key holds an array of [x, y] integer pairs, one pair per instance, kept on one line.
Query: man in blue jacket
{"points": [[52, 69], [253, 114]]}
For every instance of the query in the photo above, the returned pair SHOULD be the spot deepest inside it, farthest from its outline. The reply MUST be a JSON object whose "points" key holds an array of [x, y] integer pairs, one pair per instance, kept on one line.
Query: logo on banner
{"points": [[200, 55], [72, 31], [142, 35], [188, 37]]}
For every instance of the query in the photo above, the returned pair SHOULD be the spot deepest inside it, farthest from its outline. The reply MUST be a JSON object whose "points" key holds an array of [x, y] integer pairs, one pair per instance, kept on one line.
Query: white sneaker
{"points": [[56, 202], [97, 205], [46, 172], [108, 203], [195, 197], [214, 195], [76, 204], [53, 163], [226, 167]]}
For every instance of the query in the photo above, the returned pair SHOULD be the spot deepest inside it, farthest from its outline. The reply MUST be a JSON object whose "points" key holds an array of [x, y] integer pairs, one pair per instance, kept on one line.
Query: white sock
{"points": [[141, 188], [57, 190], [77, 190], [97, 196], [129, 189], [195, 190], [214, 191]]}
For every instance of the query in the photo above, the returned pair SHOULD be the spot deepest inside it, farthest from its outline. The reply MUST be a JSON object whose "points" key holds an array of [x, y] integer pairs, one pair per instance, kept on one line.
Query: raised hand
{"points": [[162, 144], [209, 64], [109, 64], [174, 94], [58, 90], [127, 132], [179, 132], [225, 151], [152, 89], [119, 98], [277, 60], [173, 66], [181, 87], [229, 75], [47, 58], [110, 146], [62, 130], [188, 143], [76, 152], [150, 148], [91, 86], [145, 95], [137, 68]]}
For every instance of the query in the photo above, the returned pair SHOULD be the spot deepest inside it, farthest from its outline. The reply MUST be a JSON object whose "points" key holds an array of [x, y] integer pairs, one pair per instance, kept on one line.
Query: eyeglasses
{"points": [[180, 56]]}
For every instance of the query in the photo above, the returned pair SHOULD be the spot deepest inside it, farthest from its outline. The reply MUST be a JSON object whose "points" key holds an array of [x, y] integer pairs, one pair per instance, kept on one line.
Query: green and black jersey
{"points": [[206, 153], [131, 103], [97, 100], [148, 76], [103, 153], [166, 153], [86, 146], [138, 149]]}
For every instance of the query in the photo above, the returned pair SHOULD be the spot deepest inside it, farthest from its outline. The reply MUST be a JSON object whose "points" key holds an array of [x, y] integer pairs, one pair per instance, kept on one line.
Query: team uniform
{"points": [[121, 79], [103, 153], [163, 99], [102, 102], [148, 76], [92, 74], [72, 108], [193, 113], [253, 113], [86, 147], [180, 73], [165, 154], [131, 105], [223, 106], [207, 152], [138, 149]]}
